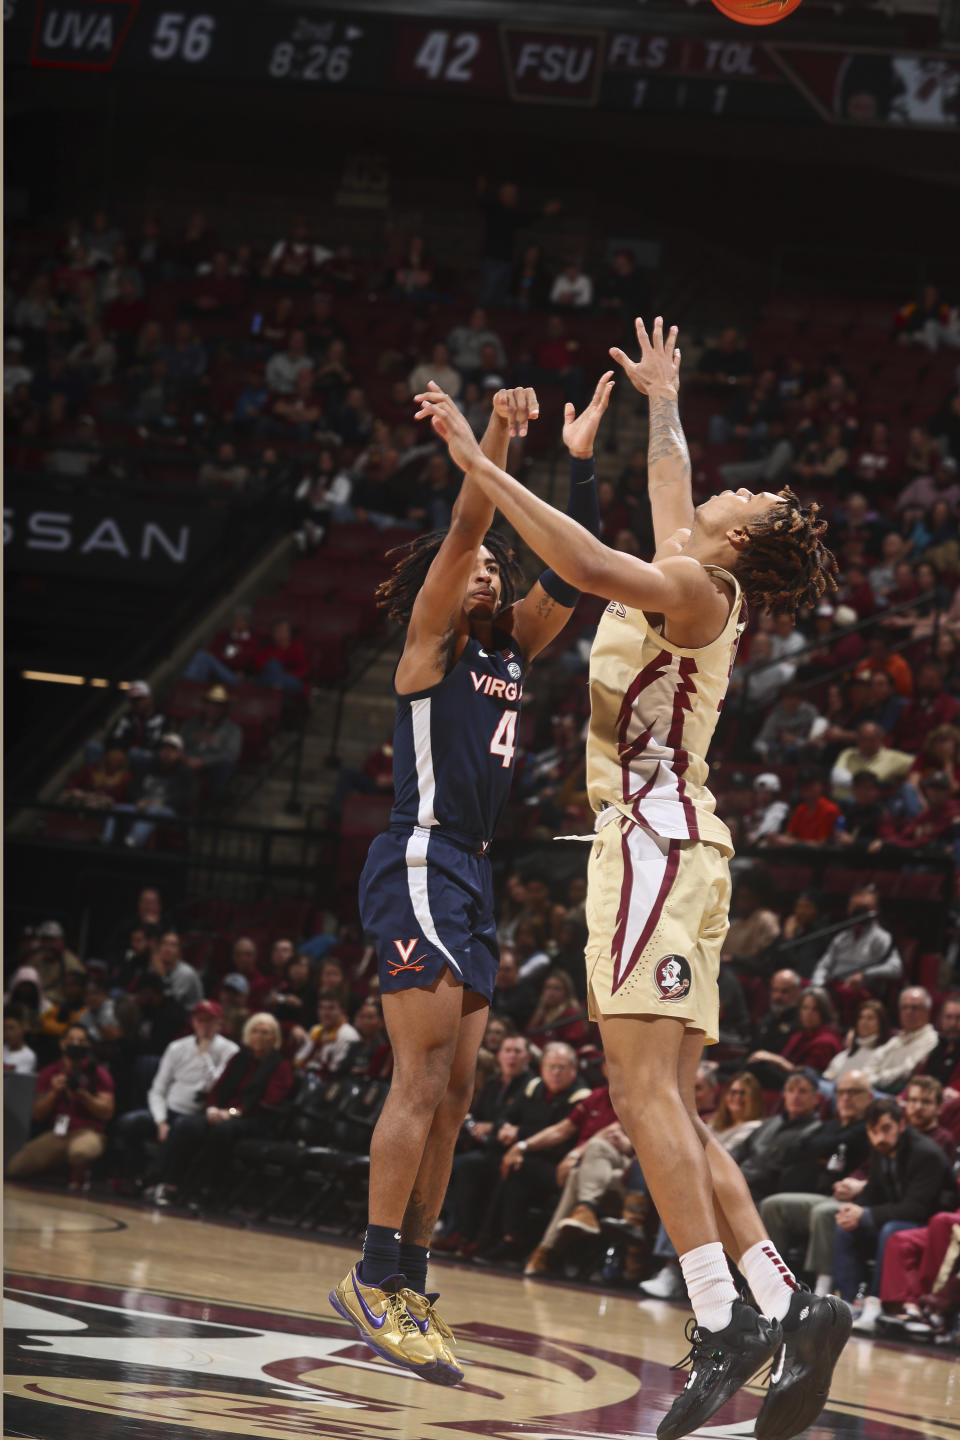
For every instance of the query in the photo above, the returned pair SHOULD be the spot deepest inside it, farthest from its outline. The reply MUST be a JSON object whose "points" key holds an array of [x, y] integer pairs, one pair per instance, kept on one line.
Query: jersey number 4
{"points": [[504, 740]]}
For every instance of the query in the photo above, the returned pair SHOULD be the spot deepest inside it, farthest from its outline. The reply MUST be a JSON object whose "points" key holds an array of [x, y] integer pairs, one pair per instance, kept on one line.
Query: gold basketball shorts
{"points": [[658, 913]]}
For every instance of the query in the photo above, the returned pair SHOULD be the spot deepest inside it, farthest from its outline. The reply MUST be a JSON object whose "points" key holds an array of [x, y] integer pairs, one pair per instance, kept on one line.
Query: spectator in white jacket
{"points": [[188, 1069], [896, 1061], [573, 288]]}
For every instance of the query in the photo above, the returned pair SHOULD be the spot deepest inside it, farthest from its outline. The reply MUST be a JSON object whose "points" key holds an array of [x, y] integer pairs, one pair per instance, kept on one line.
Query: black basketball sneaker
{"points": [[815, 1330], [720, 1361]]}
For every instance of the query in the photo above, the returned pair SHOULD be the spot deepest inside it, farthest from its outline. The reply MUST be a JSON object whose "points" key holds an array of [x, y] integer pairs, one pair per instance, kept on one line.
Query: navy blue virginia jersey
{"points": [[454, 745]]}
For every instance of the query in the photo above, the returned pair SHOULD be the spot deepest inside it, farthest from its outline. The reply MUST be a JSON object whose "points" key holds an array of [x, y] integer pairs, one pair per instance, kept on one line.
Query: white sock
{"points": [[769, 1277], [871, 1305], [824, 1285], [709, 1285]]}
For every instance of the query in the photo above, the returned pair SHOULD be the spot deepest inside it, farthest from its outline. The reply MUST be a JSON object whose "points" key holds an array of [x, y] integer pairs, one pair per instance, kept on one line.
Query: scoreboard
{"points": [[517, 63]]}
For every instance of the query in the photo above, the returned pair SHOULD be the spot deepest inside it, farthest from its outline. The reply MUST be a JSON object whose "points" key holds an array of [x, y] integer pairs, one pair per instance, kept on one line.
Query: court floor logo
{"points": [[83, 1361]]}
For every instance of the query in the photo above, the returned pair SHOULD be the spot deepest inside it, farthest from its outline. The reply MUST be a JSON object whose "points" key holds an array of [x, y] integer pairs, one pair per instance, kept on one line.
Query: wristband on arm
{"points": [[582, 506]]}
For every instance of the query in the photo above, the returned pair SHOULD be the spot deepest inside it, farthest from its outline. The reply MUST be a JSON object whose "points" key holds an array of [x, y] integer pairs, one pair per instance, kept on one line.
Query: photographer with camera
{"points": [[74, 1103]]}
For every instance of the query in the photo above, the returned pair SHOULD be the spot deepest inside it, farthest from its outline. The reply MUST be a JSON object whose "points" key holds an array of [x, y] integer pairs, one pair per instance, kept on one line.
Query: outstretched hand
{"points": [[580, 431], [659, 365], [449, 424]]}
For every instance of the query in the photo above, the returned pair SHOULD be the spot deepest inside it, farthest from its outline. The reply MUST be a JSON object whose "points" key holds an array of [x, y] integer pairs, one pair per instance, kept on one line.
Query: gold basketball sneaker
{"points": [[380, 1317], [423, 1310]]}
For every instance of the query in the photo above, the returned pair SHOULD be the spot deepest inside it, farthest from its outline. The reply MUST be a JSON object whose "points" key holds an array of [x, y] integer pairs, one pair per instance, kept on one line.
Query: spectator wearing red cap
{"points": [[188, 1069]]}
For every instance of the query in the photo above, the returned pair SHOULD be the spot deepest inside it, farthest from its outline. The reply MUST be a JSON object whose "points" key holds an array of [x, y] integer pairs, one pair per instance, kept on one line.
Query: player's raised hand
{"points": [[658, 368], [449, 424], [518, 407], [580, 431]]}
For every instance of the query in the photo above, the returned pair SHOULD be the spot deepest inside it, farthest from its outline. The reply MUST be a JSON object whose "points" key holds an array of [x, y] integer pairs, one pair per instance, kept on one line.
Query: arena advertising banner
{"points": [[521, 63], [122, 540]]}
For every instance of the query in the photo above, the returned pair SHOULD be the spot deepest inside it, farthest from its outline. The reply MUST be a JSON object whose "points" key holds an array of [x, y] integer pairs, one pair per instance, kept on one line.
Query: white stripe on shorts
{"points": [[644, 871], [416, 857], [423, 757]]}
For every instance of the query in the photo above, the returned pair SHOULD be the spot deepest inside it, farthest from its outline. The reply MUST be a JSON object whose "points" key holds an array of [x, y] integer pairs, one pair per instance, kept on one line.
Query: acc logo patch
{"points": [[514, 671], [672, 977]]}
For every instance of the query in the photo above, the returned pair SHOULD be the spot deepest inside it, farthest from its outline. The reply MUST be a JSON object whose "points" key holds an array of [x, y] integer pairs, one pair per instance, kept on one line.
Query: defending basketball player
{"points": [[426, 891], [658, 879]]}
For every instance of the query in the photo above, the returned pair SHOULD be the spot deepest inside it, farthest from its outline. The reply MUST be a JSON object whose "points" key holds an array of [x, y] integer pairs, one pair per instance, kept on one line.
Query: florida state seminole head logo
{"points": [[672, 977]]}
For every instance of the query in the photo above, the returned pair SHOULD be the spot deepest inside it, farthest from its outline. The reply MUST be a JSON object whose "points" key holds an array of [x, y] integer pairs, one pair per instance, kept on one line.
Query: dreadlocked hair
{"points": [[786, 564], [397, 594]]}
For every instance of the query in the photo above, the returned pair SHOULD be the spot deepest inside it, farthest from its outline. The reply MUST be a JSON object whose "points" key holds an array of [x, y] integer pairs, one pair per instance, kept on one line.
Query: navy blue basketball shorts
{"points": [[428, 903]]}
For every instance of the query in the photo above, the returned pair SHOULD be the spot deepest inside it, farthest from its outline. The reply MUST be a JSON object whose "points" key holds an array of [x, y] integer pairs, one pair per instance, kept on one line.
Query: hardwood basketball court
{"points": [[123, 1323]]}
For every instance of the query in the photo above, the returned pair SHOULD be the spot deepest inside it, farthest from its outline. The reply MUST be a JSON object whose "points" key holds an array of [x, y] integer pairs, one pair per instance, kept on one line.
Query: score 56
{"points": [[184, 36]]}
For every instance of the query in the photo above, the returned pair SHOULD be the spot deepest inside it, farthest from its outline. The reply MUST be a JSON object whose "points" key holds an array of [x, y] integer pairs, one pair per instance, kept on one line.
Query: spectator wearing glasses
{"points": [[802, 1210], [915, 1041]]}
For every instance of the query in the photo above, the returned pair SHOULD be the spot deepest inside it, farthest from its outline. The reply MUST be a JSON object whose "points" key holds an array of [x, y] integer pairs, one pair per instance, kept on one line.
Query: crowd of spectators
{"points": [[835, 1085]]}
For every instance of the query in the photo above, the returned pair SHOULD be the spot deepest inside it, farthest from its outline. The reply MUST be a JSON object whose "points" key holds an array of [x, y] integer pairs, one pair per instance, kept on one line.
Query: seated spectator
{"points": [[530, 281], [824, 1175], [814, 820], [624, 291], [438, 369], [98, 1016], [55, 1020], [766, 1150], [475, 1167], [914, 1285], [293, 997], [598, 1162], [164, 788], [782, 1019], [860, 960], [17, 1054], [788, 727], [555, 362], [886, 706], [413, 276], [94, 357], [871, 1031], [353, 419], [199, 1150], [282, 663], [909, 1181], [315, 500], [231, 655], [529, 947], [226, 473], [943, 1062], [768, 812], [188, 1069], [217, 291], [727, 362], [754, 925], [559, 1016], [869, 753], [181, 981], [876, 465], [293, 416], [212, 743], [513, 998], [275, 328], [882, 577], [934, 831], [333, 377], [376, 778], [284, 368], [243, 962], [763, 676], [325, 1048], [572, 289], [542, 1105], [739, 1112], [101, 785], [295, 257], [233, 997], [159, 1016], [75, 1100], [921, 1102], [186, 359], [798, 944], [369, 1056], [47, 951], [930, 708], [465, 344], [810, 1048], [921, 321], [824, 459], [911, 1045], [138, 729]]}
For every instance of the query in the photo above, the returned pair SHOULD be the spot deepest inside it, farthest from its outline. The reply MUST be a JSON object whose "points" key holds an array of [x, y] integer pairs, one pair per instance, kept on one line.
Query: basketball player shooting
{"points": [[658, 877], [426, 892]]}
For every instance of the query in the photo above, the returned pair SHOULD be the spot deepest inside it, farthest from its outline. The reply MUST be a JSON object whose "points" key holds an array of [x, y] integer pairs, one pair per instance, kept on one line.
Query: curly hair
{"points": [[786, 563], [397, 594]]}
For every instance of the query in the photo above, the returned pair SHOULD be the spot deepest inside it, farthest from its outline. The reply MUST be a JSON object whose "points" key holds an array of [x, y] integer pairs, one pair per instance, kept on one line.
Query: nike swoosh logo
{"points": [[484, 654], [774, 1378], [377, 1324]]}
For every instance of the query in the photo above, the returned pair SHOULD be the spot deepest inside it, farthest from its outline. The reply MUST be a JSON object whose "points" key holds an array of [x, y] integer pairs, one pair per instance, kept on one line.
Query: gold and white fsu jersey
{"points": [[653, 709]]}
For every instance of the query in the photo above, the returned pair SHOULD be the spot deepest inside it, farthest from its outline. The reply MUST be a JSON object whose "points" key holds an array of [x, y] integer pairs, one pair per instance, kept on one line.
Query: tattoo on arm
{"points": [[546, 606], [418, 1223], [667, 440]]}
